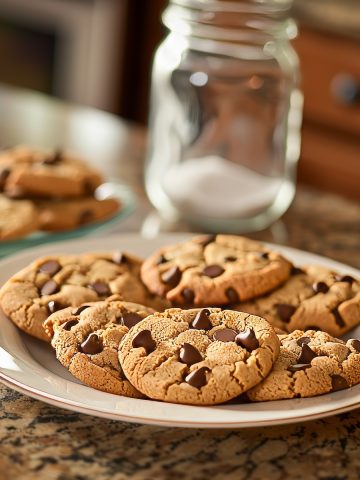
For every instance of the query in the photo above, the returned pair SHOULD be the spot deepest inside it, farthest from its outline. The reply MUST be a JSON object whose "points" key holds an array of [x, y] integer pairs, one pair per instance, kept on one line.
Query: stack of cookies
{"points": [[49, 191], [213, 319]]}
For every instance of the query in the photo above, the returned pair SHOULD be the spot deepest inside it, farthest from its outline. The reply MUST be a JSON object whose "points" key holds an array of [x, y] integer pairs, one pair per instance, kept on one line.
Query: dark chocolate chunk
{"points": [[355, 344], [213, 271], [230, 259], [51, 267], [101, 288], [338, 319], [171, 277], [206, 239], [307, 354], [299, 366], [303, 341], [285, 311], [144, 339], [197, 378], [49, 288], [345, 278], [201, 320], [264, 255], [225, 335], [296, 270], [85, 217], [188, 295], [232, 295], [69, 324], [161, 259], [129, 319], [3, 176], [189, 354], [92, 345], [247, 339], [54, 306], [78, 310], [119, 258], [320, 287], [338, 383]]}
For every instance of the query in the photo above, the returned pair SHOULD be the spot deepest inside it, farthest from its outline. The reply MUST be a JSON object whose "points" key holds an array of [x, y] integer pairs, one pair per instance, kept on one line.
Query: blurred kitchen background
{"points": [[99, 53]]}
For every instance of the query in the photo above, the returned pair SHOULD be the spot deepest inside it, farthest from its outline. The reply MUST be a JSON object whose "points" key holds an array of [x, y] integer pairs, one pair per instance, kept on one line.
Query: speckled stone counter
{"points": [[38, 441]]}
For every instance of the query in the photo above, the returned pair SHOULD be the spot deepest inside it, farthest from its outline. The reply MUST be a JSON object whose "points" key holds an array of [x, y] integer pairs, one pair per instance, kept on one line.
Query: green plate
{"points": [[117, 190]]}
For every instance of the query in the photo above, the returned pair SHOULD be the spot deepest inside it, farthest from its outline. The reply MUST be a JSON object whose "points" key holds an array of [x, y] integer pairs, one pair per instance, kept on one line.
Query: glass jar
{"points": [[225, 114]]}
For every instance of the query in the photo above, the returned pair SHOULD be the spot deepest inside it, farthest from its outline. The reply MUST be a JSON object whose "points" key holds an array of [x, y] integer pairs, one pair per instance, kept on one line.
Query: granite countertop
{"points": [[38, 441]]}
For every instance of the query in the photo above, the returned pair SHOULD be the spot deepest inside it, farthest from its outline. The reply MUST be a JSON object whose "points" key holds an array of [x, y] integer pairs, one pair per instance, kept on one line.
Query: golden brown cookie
{"points": [[313, 298], [310, 363], [198, 356], [58, 281], [17, 218], [214, 270], [86, 341]]}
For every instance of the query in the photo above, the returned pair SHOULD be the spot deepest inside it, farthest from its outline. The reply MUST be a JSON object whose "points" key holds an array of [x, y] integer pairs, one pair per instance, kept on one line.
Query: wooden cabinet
{"points": [[330, 66]]}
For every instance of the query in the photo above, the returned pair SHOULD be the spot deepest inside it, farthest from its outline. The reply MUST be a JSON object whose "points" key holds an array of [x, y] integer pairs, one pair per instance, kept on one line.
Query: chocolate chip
{"points": [[355, 344], [92, 345], [225, 335], [161, 259], [144, 339], [338, 319], [264, 255], [130, 319], [232, 295], [201, 320], [213, 271], [312, 327], [50, 267], [303, 341], [320, 287], [345, 278], [247, 339], [338, 383], [285, 311], [296, 270], [171, 277], [119, 258], [54, 306], [188, 295], [49, 288], [307, 354], [53, 159], [204, 240], [101, 288], [189, 354], [299, 366], [78, 310], [3, 176], [69, 324], [197, 378], [230, 259], [85, 217]]}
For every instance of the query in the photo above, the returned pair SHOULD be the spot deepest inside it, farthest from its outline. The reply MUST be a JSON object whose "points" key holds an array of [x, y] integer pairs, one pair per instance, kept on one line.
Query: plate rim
{"points": [[73, 405]]}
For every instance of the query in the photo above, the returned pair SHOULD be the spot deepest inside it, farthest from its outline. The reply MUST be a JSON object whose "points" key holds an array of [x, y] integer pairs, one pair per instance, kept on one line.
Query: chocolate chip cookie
{"points": [[310, 363], [86, 341], [214, 270], [26, 171], [17, 218], [58, 281], [198, 356], [69, 214], [313, 298]]}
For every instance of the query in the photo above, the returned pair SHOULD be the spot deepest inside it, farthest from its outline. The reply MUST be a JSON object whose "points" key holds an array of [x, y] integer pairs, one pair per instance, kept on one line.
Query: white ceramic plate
{"points": [[29, 366]]}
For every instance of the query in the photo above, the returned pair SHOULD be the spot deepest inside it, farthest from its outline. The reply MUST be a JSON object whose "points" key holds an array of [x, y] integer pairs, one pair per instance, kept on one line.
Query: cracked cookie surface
{"points": [[214, 270], [313, 298], [86, 341], [17, 218], [28, 171], [310, 363], [54, 282], [198, 356]]}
